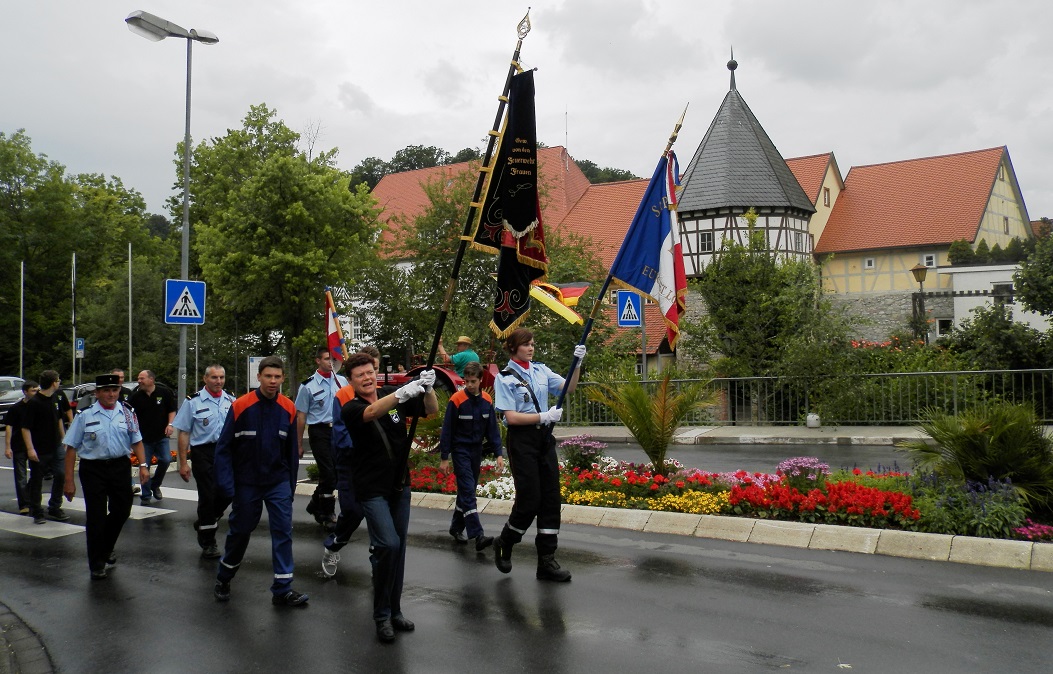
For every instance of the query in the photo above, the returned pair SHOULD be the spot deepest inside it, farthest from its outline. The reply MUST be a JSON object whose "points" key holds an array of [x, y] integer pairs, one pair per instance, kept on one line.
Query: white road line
{"points": [[20, 524]]}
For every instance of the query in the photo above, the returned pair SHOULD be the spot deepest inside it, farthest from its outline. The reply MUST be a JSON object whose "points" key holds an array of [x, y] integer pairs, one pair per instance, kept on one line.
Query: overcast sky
{"points": [[871, 81]]}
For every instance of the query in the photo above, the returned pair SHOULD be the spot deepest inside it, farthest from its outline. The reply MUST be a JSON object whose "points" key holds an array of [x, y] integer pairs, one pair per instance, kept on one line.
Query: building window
{"points": [[1001, 172], [929, 260], [869, 263], [1005, 224], [798, 241], [357, 334], [705, 242], [826, 196], [944, 326]]}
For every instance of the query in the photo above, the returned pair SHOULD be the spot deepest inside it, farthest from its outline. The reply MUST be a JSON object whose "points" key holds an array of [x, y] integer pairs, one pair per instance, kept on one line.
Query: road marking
{"points": [[20, 524]]}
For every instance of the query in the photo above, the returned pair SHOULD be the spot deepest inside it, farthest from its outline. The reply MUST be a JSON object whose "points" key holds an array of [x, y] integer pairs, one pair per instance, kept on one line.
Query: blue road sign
{"points": [[78, 346], [630, 313], [184, 302]]}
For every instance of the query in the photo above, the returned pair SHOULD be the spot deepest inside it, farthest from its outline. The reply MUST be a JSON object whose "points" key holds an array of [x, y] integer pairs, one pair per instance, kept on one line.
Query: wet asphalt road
{"points": [[638, 603]]}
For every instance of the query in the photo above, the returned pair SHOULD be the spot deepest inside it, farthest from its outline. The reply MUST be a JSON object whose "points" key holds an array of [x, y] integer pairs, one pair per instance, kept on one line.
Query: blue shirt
{"points": [[100, 434], [315, 397], [511, 396], [203, 416]]}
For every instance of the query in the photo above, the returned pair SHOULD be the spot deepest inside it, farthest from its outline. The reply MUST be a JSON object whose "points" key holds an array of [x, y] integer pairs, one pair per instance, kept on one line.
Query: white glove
{"points": [[427, 379], [551, 416], [579, 353], [407, 391]]}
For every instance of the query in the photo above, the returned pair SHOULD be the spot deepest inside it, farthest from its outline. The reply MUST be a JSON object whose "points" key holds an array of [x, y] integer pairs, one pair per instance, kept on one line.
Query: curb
{"points": [[1023, 555], [21, 650]]}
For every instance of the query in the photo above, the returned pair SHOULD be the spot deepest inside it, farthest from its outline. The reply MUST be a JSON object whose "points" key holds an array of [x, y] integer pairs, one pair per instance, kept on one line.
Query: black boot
{"points": [[548, 569], [502, 555]]}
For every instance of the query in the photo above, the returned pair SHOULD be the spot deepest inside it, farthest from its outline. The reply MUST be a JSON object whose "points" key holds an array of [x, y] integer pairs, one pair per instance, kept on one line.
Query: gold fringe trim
{"points": [[501, 334]]}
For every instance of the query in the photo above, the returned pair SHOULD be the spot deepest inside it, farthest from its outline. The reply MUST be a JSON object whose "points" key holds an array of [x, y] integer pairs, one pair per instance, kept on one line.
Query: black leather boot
{"points": [[548, 569], [502, 555]]}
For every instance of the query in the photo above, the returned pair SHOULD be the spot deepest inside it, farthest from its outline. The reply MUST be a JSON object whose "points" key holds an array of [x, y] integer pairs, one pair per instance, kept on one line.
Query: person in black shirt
{"points": [[43, 432], [155, 407], [376, 422], [15, 446]]}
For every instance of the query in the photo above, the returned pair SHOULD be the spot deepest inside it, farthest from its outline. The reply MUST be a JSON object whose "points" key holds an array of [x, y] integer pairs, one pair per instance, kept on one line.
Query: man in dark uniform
{"points": [[155, 407], [199, 422], [104, 436], [43, 432], [380, 473], [257, 458]]}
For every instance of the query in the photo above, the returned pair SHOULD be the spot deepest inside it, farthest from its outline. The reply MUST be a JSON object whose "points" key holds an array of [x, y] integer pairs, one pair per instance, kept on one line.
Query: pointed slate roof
{"points": [[736, 165], [917, 202]]}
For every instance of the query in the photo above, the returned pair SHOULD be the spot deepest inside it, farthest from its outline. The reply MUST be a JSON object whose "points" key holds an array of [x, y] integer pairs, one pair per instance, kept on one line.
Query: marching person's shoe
{"points": [[548, 569], [330, 558], [385, 631], [145, 500], [58, 514], [458, 536], [502, 555], [221, 591], [210, 552], [111, 561], [98, 574], [290, 598], [402, 624], [38, 517], [157, 494], [483, 542]]}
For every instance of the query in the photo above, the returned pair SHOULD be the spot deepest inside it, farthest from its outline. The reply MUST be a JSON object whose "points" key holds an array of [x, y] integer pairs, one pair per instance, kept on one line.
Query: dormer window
{"points": [[826, 196], [929, 260]]}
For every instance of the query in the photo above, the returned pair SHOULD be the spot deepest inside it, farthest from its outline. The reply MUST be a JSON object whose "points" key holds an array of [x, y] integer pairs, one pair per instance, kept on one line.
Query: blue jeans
{"points": [[160, 449], [387, 520]]}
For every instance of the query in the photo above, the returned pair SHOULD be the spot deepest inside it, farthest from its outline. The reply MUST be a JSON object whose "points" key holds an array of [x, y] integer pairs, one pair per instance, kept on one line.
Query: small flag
{"points": [[334, 336], [651, 261]]}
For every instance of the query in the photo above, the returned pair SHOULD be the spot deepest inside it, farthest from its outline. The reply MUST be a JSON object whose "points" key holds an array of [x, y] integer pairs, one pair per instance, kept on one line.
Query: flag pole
{"points": [[522, 29], [597, 303], [331, 308]]}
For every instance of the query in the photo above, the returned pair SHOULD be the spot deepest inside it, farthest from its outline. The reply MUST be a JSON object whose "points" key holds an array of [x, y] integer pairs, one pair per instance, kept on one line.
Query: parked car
{"points": [[10, 393], [82, 396]]}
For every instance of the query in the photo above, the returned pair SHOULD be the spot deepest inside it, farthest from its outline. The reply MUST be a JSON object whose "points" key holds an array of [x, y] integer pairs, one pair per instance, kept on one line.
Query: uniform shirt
{"points": [[315, 397], [469, 420], [203, 416], [374, 472], [100, 434], [152, 411], [258, 444], [510, 395]]}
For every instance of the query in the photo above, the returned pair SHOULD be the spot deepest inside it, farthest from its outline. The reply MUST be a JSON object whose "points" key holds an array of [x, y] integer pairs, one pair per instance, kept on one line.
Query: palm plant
{"points": [[992, 440], [652, 415]]}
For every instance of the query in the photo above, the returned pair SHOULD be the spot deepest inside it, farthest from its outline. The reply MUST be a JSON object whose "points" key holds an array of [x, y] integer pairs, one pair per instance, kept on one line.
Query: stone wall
{"points": [[878, 316]]}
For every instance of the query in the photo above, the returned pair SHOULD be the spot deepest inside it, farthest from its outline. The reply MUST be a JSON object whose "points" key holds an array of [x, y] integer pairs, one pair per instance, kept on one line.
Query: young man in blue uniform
{"points": [[314, 410], [257, 458], [522, 393], [470, 418], [199, 422], [376, 421], [104, 436]]}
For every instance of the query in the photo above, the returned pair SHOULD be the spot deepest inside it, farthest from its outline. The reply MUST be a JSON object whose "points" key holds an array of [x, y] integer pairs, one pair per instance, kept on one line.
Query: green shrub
{"points": [[312, 471], [991, 509]]}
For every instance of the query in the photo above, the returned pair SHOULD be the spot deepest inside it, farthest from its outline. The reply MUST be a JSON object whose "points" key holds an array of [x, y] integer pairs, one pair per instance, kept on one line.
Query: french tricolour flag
{"points": [[650, 260], [334, 336]]}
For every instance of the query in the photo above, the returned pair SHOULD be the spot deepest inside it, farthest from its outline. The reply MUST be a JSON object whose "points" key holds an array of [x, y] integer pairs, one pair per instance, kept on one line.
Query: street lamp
{"points": [[155, 29], [919, 271]]}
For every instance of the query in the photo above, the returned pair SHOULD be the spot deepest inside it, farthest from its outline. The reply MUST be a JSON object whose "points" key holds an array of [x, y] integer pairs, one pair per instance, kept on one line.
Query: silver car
{"points": [[10, 393]]}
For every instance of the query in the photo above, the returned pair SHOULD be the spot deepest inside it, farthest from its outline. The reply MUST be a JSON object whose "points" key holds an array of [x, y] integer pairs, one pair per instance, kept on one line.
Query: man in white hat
{"points": [[465, 354]]}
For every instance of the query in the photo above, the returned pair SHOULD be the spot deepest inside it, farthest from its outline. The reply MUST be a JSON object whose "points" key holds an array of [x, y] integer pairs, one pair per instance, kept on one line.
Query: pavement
{"points": [[21, 650]]}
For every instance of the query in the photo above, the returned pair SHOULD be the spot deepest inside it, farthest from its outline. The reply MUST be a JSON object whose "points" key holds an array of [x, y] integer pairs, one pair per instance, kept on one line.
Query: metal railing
{"points": [[887, 399]]}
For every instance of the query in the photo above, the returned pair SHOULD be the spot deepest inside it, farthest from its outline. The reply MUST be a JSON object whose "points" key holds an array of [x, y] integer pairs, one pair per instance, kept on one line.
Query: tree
{"points": [[467, 154], [991, 340], [597, 175], [998, 255], [1014, 250], [982, 254], [961, 253], [1034, 280], [413, 157], [276, 229], [368, 172]]}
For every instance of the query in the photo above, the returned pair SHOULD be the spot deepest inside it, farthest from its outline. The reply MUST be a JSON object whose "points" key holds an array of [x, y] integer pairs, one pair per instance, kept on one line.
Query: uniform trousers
{"points": [[21, 470], [210, 503], [466, 510], [320, 436], [246, 509], [535, 472], [107, 504]]}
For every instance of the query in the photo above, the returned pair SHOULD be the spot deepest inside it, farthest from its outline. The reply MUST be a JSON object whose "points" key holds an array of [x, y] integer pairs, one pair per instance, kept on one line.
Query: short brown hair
{"points": [[372, 351], [270, 361], [358, 360], [473, 369], [518, 338]]}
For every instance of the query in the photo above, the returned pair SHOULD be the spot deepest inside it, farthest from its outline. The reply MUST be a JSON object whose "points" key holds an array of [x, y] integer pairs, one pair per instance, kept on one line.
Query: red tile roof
{"points": [[604, 214], [654, 323], [917, 202], [402, 196], [810, 172]]}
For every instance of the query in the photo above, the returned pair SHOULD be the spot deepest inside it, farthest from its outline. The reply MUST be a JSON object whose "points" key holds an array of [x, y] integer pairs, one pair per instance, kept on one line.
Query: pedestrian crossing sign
{"points": [[184, 302], [629, 311]]}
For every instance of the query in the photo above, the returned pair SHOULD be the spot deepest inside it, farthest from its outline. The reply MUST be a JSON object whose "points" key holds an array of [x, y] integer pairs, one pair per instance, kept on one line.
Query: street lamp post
{"points": [[155, 29], [919, 271]]}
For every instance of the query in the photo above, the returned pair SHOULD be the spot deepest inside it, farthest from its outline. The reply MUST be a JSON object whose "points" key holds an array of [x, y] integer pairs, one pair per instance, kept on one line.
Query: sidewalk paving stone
{"points": [[672, 523], [440, 501], [620, 518], [577, 514], [1042, 557], [725, 528], [845, 539]]}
